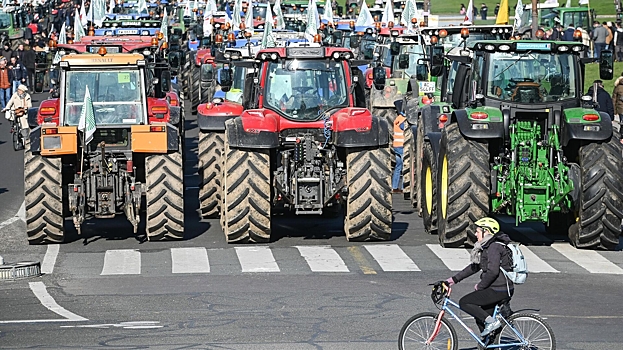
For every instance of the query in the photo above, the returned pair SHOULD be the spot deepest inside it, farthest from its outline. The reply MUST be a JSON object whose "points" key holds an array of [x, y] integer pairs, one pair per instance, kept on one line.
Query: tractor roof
{"points": [[307, 52], [526, 45], [91, 60]]}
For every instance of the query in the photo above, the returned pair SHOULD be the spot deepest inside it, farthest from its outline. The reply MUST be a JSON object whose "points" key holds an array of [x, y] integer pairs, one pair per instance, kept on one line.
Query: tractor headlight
{"points": [[274, 56], [504, 47], [563, 48], [336, 55]]}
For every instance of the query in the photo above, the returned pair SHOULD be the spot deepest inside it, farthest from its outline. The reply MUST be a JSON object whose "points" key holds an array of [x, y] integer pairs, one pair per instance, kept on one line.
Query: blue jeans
{"points": [[5, 96], [397, 177], [16, 84], [599, 47]]}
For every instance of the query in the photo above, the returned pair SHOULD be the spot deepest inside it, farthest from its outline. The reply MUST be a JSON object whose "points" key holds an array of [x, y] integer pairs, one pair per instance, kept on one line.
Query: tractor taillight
{"points": [[427, 100], [129, 166], [51, 131], [479, 115], [47, 110], [357, 111], [157, 128], [443, 118], [590, 117], [174, 103]]}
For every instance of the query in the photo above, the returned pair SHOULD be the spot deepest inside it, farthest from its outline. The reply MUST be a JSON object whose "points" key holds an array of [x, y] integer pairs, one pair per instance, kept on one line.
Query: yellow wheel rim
{"points": [[429, 191], [444, 186]]}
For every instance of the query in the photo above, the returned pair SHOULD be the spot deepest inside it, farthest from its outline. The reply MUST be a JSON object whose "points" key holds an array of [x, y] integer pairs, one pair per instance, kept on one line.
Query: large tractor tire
{"points": [[210, 173], [246, 208], [43, 198], [195, 97], [165, 196], [429, 190], [416, 164], [407, 150], [463, 182], [369, 203], [601, 197], [185, 73]]}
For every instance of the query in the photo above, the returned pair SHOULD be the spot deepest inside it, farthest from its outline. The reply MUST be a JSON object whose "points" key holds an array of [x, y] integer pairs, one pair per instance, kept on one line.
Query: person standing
{"points": [[6, 51], [600, 33], [19, 73], [399, 140], [617, 98], [496, 10], [5, 82], [483, 11], [567, 35], [604, 100], [610, 36], [28, 60], [618, 43]]}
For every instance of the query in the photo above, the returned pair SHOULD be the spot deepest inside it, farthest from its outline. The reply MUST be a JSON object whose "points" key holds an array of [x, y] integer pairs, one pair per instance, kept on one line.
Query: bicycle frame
{"points": [[446, 307]]}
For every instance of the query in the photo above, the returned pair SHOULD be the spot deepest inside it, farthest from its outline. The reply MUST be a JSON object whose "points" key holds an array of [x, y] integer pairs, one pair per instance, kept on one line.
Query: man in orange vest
{"points": [[399, 140]]}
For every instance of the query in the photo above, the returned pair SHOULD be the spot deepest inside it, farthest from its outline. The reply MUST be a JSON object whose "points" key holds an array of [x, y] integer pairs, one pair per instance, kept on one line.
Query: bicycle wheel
{"points": [[420, 327], [533, 328], [17, 140]]}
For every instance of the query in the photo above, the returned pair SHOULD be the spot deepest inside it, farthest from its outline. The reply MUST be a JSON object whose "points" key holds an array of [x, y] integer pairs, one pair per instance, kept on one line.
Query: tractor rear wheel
{"points": [[407, 185], [463, 187], [416, 163], [188, 59], [429, 189], [43, 198], [246, 207], [601, 198], [165, 196], [369, 203], [195, 97], [210, 173]]}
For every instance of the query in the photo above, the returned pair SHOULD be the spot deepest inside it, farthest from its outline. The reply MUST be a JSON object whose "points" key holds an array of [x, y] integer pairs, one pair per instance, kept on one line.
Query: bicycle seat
{"points": [[504, 308]]}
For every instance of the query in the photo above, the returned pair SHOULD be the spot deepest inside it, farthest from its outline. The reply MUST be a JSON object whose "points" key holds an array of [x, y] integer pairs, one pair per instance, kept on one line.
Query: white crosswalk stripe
{"points": [[454, 258], [322, 259], [189, 260], [257, 259], [391, 257], [536, 264], [122, 262], [591, 261]]}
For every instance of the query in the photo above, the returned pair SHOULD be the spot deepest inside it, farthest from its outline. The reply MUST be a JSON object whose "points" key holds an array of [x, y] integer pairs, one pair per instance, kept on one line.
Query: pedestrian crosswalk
{"points": [[367, 258]]}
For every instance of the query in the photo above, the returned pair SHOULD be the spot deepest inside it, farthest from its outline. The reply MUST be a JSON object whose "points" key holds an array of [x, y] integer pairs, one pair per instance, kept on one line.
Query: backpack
{"points": [[519, 272]]}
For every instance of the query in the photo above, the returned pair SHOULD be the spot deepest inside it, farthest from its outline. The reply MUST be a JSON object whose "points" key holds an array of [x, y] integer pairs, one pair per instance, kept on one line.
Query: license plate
{"points": [[127, 31], [131, 24], [427, 87]]}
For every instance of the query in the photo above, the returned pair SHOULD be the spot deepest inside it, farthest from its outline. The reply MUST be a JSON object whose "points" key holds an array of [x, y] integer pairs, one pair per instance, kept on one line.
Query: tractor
{"points": [[306, 144], [523, 140], [134, 150]]}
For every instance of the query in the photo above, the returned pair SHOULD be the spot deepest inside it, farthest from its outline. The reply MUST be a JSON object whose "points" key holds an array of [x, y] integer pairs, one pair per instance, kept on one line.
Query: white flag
{"points": [[365, 17], [187, 9], [267, 39], [248, 19], [388, 13], [328, 12], [207, 17], [469, 14], [195, 8], [518, 14], [62, 36], [111, 5], [142, 6], [78, 29], [312, 21], [99, 12], [84, 20], [164, 26], [87, 118], [277, 9], [568, 3]]}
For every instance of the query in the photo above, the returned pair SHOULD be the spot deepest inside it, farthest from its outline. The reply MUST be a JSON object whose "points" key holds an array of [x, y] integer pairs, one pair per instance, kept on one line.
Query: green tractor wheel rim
{"points": [[429, 191], [444, 186]]}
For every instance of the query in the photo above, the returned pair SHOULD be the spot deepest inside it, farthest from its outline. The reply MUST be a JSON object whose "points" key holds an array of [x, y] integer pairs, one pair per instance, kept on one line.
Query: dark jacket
{"points": [[29, 58], [567, 35], [7, 54], [493, 256], [604, 100], [19, 71]]}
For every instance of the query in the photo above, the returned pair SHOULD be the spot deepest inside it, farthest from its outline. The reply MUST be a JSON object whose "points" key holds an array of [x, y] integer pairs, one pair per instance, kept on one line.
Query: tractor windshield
{"points": [[525, 77], [116, 96], [303, 89], [415, 52], [5, 20], [455, 39], [235, 92]]}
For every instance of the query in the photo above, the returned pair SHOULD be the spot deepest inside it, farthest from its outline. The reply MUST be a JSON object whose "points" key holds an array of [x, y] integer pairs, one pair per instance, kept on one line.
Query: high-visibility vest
{"points": [[399, 134]]}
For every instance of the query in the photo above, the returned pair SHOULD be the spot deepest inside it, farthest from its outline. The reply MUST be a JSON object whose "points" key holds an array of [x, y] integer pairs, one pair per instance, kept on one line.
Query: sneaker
{"points": [[490, 327]]}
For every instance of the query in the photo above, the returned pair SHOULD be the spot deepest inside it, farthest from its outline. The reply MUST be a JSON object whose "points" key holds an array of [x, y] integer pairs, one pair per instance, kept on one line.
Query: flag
{"points": [[469, 14], [84, 20], [207, 17], [248, 19], [142, 5], [328, 12], [78, 29], [111, 5], [57, 57], [312, 21], [568, 3], [164, 26], [267, 39], [409, 12], [518, 14], [236, 20], [99, 11], [280, 21], [365, 17], [62, 36], [502, 17], [388, 13], [195, 12], [87, 118]]}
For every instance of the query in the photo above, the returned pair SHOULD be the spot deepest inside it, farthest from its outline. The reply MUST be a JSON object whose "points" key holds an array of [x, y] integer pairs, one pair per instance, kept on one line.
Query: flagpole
{"points": [[82, 153]]}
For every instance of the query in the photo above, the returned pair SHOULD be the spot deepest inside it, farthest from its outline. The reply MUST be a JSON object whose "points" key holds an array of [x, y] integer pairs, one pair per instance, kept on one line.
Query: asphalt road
{"points": [[308, 289]]}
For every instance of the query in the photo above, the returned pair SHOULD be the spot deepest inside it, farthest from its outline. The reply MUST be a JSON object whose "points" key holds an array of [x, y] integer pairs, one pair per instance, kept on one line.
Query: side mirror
{"points": [[421, 72], [174, 59], [379, 76], [226, 79], [403, 61], [207, 73], [394, 48], [39, 78], [354, 41], [165, 81], [436, 60], [606, 65]]}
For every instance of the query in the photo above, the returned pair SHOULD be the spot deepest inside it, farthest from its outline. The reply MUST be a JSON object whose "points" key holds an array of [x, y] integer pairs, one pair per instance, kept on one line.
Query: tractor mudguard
{"points": [[239, 138], [214, 118], [576, 131], [430, 115], [415, 87], [35, 139], [173, 140], [434, 138], [494, 130], [32, 117], [412, 109], [175, 114], [378, 135]]}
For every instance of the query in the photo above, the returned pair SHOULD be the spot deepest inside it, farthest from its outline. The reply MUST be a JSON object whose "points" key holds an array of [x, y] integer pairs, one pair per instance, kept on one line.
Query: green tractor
{"points": [[524, 141], [13, 20]]}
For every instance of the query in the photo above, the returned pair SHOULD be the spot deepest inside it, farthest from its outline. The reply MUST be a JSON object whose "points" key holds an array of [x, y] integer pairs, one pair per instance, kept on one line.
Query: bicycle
{"points": [[16, 130], [429, 330]]}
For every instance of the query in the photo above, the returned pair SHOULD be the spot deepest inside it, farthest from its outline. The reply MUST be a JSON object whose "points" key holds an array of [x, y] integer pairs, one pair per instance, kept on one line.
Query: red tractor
{"points": [[305, 143]]}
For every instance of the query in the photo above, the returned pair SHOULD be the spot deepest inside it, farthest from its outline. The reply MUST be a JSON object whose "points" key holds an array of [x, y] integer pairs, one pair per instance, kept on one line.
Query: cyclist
{"points": [[19, 103], [489, 254]]}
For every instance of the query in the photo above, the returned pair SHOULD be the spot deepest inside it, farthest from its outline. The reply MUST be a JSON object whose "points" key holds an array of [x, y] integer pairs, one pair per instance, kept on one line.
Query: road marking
{"points": [[536, 264], [256, 259], [591, 261], [391, 257], [454, 258], [190, 260], [361, 261], [20, 215], [322, 259], [49, 260], [124, 325], [39, 290], [122, 262]]}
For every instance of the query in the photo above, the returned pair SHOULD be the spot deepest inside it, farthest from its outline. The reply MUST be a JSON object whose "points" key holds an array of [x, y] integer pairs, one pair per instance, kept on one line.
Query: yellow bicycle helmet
{"points": [[489, 224]]}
